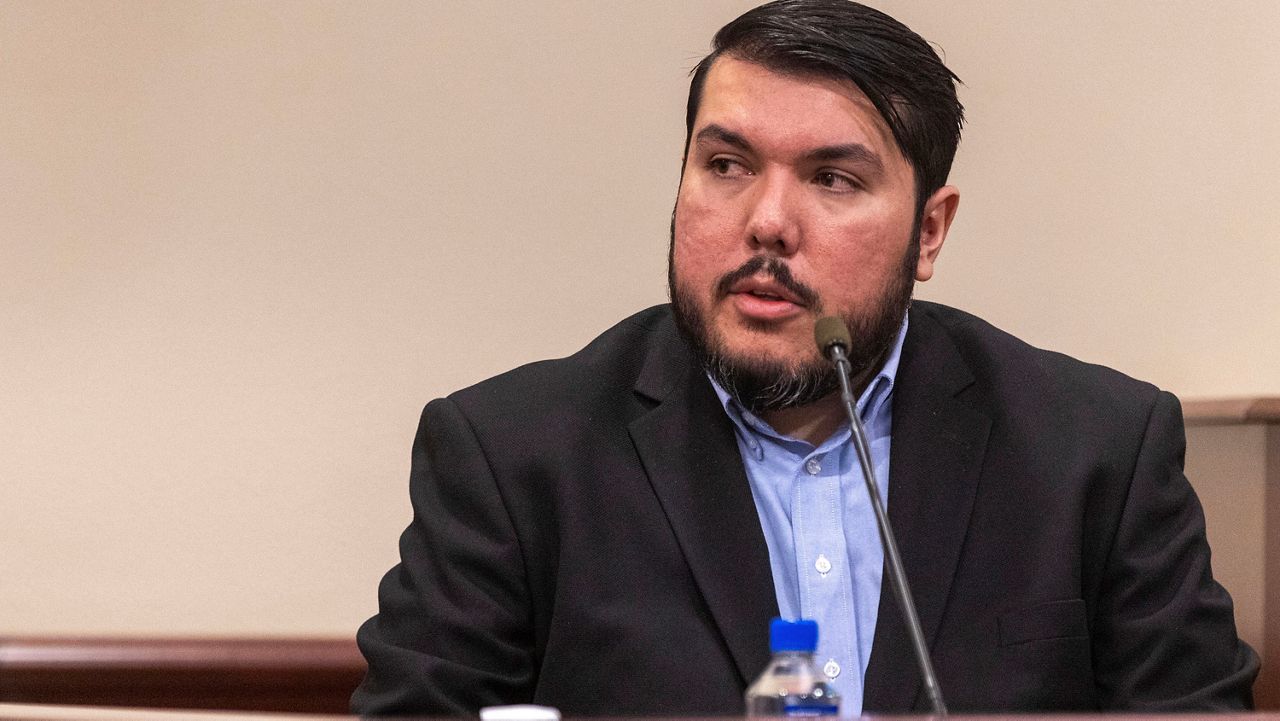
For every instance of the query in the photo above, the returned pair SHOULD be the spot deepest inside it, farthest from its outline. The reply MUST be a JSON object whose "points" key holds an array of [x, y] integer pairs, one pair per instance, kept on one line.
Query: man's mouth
{"points": [[764, 300], [766, 289]]}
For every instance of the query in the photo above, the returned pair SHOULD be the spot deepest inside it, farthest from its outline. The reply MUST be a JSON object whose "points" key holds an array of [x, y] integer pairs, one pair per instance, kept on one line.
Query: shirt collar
{"points": [[873, 401]]}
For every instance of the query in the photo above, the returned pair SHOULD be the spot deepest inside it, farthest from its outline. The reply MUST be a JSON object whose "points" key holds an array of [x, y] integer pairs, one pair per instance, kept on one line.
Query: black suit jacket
{"points": [[584, 536]]}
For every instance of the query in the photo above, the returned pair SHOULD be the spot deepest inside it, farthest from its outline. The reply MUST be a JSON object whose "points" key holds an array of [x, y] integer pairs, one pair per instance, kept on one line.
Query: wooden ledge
{"points": [[225, 653], [1231, 411], [302, 675]]}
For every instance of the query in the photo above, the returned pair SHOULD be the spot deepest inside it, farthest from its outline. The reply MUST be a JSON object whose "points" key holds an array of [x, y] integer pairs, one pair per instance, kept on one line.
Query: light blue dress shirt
{"points": [[824, 547]]}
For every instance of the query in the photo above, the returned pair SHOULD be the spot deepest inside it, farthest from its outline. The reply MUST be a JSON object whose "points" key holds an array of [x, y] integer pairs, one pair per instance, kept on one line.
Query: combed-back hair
{"points": [[895, 68]]}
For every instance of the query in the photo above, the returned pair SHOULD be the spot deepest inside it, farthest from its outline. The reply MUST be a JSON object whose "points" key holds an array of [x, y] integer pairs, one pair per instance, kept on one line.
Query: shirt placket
{"points": [[826, 594]]}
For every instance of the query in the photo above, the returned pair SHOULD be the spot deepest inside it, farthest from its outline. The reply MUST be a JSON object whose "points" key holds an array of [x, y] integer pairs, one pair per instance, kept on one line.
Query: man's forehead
{"points": [[751, 99]]}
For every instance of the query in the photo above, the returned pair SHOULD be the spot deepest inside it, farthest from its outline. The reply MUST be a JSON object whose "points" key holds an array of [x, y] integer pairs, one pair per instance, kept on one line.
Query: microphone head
{"points": [[830, 331]]}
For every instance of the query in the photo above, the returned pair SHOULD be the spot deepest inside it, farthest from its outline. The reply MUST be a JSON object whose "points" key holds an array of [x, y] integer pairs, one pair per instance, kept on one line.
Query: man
{"points": [[610, 533]]}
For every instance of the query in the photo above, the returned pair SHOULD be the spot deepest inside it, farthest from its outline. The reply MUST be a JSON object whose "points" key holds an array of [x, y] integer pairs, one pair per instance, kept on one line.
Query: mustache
{"points": [[775, 269]]}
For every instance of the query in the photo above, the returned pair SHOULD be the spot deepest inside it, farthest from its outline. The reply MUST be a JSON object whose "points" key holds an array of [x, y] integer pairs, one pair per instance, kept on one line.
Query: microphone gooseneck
{"points": [[834, 342]]}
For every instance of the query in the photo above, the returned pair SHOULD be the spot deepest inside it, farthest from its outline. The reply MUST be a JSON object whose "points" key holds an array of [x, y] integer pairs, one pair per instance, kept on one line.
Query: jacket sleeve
{"points": [[1164, 631], [452, 633]]}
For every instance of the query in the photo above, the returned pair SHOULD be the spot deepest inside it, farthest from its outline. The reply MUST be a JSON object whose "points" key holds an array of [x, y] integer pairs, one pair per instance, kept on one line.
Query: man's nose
{"points": [[772, 225]]}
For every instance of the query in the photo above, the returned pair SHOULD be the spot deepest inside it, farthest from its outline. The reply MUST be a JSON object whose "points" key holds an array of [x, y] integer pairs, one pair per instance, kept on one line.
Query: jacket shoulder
{"points": [[1005, 365]]}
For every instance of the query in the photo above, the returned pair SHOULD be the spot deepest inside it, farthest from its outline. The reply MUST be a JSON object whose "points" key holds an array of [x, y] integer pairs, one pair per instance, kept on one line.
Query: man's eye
{"points": [[725, 166], [835, 181]]}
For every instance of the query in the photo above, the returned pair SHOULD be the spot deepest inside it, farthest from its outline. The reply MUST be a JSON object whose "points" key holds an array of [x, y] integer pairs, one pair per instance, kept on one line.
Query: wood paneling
{"points": [[1267, 689], [1261, 413]]}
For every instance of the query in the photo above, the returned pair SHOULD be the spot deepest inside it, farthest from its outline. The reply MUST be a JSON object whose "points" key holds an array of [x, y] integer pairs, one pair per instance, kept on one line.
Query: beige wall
{"points": [[242, 243]]}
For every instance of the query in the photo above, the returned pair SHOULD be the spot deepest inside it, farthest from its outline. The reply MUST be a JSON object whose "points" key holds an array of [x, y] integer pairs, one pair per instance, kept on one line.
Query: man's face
{"points": [[794, 203]]}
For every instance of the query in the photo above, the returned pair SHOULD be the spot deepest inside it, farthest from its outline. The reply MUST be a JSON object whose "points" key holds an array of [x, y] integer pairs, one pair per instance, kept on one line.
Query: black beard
{"points": [[761, 385]]}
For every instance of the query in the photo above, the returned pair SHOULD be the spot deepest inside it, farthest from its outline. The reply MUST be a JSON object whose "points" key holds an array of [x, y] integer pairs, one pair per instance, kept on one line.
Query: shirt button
{"points": [[813, 466], [832, 669], [823, 565]]}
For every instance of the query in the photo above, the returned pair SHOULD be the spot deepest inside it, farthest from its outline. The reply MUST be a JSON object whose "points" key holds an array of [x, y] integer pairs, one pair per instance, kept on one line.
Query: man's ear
{"points": [[939, 211]]}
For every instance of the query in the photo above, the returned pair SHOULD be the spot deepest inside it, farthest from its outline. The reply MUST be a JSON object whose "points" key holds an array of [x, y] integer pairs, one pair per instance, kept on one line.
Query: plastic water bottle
{"points": [[791, 684]]}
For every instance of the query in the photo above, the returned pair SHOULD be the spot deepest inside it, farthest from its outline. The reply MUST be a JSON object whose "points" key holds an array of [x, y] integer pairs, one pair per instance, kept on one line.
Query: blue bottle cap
{"points": [[798, 635]]}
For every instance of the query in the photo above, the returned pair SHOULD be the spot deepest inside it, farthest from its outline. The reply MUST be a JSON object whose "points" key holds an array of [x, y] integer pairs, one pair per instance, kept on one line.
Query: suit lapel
{"points": [[687, 446], [938, 445]]}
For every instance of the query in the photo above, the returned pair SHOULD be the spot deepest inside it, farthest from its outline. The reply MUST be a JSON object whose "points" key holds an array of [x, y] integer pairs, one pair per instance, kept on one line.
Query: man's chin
{"points": [[773, 350], [762, 383]]}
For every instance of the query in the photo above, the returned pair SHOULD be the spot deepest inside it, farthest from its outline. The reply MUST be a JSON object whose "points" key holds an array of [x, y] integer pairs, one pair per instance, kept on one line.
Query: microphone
{"points": [[834, 343]]}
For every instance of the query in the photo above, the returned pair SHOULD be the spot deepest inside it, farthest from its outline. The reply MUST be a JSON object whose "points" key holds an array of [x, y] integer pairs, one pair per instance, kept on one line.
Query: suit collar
{"points": [[939, 440], [686, 444]]}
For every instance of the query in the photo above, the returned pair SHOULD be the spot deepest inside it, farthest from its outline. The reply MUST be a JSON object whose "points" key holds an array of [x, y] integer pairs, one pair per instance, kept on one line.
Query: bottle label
{"points": [[797, 710]]}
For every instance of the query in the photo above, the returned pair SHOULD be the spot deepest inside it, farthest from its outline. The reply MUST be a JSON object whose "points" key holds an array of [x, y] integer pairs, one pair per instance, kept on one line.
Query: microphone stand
{"points": [[897, 576]]}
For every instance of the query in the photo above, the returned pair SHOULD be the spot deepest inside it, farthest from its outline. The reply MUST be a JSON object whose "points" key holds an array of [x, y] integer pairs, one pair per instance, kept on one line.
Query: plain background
{"points": [[242, 243]]}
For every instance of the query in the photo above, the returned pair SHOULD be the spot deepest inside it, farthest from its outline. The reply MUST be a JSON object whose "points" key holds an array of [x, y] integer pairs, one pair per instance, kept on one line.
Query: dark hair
{"points": [[894, 67]]}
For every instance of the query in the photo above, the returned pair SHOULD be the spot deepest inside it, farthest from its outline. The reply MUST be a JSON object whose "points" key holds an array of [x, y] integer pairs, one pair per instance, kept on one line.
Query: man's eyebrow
{"points": [[855, 152], [724, 135]]}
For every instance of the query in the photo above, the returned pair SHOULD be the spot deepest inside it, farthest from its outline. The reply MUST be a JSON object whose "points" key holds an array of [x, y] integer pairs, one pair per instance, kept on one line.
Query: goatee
{"points": [[762, 384]]}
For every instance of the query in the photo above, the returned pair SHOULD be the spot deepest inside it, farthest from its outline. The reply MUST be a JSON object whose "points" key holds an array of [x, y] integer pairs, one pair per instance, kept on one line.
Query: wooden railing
{"points": [[282, 674], [1227, 411]]}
